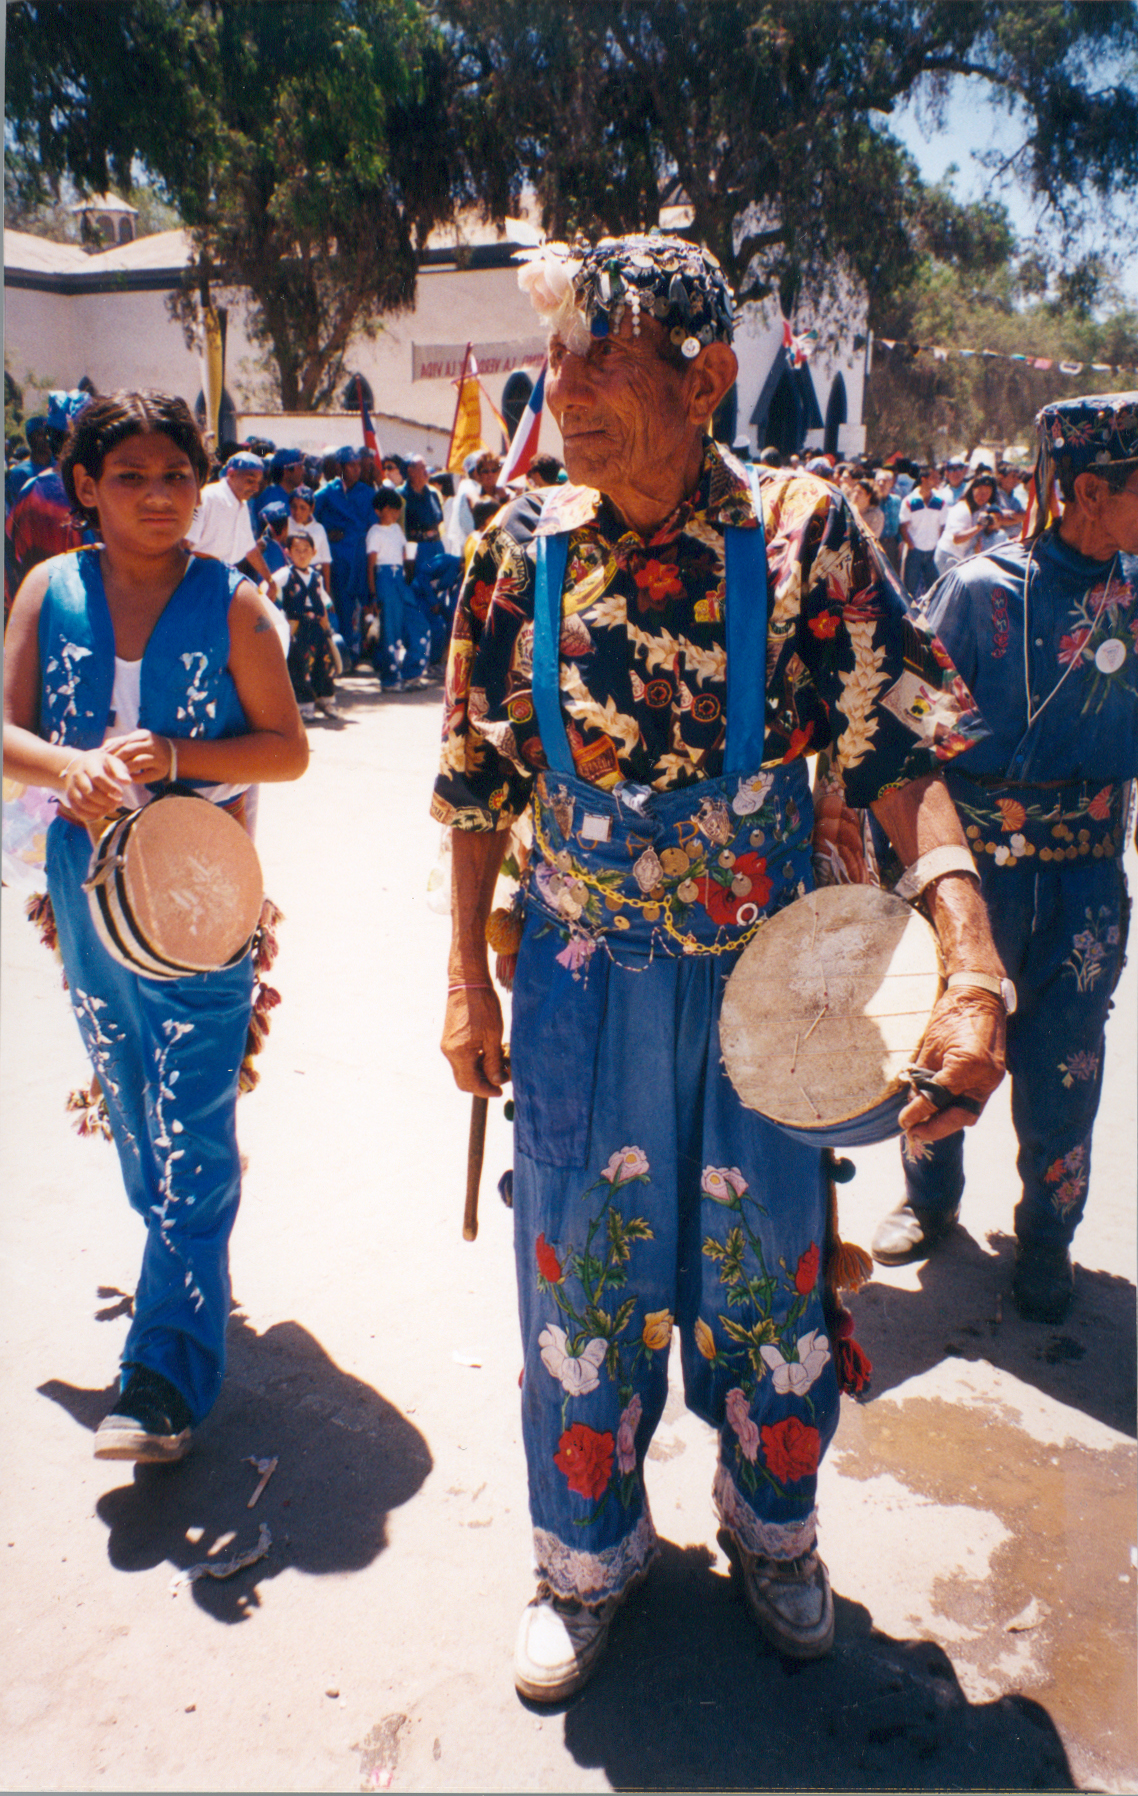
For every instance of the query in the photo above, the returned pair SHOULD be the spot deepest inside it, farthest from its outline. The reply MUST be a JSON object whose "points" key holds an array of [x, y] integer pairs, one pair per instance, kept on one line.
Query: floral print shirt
{"points": [[643, 655], [1081, 656]]}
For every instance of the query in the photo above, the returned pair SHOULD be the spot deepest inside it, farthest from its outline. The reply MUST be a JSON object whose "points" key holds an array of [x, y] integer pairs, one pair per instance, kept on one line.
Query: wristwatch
{"points": [[1003, 988]]}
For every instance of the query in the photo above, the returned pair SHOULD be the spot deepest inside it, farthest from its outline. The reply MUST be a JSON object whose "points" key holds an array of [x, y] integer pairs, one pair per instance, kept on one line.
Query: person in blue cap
{"points": [[37, 459], [41, 523], [437, 573], [286, 473], [221, 527], [344, 507], [1045, 633], [273, 541]]}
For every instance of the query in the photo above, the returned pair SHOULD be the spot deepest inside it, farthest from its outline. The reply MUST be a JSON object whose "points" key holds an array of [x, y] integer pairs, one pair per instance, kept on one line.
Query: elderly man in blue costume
{"points": [[1045, 632], [646, 669], [344, 508]]}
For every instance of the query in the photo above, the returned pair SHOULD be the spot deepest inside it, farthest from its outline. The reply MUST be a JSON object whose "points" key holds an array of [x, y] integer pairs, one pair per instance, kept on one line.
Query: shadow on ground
{"points": [[689, 1698], [964, 1310], [346, 1457]]}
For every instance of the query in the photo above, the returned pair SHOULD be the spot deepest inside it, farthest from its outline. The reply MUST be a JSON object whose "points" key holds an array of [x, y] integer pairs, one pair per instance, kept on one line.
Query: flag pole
{"points": [[458, 402]]}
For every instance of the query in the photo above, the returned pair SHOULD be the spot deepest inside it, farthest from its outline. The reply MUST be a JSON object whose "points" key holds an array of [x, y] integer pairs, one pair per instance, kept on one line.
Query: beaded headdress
{"points": [[582, 291], [1076, 436]]}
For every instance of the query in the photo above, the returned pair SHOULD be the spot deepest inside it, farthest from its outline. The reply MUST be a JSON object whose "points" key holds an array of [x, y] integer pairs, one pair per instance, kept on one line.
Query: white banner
{"points": [[443, 361]]}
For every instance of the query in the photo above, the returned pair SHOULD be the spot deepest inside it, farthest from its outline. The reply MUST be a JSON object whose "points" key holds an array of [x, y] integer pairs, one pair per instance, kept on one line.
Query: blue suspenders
{"points": [[747, 614]]}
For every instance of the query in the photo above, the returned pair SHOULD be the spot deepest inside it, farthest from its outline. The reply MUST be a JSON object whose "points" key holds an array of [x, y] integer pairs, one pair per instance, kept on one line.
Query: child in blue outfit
{"points": [[312, 657], [130, 665]]}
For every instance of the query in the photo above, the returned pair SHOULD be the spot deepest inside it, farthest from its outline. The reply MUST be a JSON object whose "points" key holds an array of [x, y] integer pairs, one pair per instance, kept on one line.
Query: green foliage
{"points": [[310, 148], [774, 112], [1012, 307], [305, 146]]}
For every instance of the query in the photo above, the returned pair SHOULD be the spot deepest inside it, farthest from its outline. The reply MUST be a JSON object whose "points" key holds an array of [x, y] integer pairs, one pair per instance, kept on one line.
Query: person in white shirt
{"points": [[971, 526], [222, 527], [301, 518], [392, 616], [955, 480], [921, 520]]}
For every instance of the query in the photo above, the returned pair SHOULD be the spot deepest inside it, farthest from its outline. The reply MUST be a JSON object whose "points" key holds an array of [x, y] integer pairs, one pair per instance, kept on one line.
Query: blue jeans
{"points": [[168, 1054], [920, 571], [646, 1196], [436, 583], [349, 588], [1062, 936], [400, 621]]}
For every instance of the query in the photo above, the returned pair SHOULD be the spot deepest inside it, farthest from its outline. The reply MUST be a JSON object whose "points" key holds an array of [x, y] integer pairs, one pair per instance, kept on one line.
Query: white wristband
{"points": [[987, 982], [173, 747], [952, 858]]}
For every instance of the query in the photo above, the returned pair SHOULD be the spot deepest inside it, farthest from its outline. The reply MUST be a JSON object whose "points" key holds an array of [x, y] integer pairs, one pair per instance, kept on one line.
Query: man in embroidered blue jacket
{"points": [[628, 711], [1045, 632]]}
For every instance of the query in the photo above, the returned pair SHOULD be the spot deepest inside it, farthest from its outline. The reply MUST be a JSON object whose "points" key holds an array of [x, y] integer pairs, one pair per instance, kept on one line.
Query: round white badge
{"points": [[1110, 655]]}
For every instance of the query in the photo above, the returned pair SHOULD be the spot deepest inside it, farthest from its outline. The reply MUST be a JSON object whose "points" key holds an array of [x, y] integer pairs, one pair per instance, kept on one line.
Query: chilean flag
{"points": [[524, 446], [370, 441]]}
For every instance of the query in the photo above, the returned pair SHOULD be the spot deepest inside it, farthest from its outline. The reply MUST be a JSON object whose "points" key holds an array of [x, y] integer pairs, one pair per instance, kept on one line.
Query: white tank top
{"points": [[126, 703]]}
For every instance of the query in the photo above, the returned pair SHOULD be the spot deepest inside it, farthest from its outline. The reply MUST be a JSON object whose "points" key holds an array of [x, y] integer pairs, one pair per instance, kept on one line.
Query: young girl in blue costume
{"points": [[128, 665]]}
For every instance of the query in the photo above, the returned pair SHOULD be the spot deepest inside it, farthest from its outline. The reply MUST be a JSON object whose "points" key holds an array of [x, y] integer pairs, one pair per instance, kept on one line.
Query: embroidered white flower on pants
{"points": [[793, 1378], [577, 1374]]}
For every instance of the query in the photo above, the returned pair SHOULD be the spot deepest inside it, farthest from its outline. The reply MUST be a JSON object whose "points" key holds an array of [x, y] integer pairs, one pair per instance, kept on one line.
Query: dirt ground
{"points": [[977, 1512]]}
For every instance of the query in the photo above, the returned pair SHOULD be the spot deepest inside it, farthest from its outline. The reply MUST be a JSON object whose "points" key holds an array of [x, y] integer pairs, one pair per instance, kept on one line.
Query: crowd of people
{"points": [[362, 554], [390, 538], [925, 516]]}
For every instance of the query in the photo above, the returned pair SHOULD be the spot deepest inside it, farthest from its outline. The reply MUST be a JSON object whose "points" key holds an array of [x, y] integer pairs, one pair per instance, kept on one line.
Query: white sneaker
{"points": [[789, 1598], [308, 712], [559, 1644]]}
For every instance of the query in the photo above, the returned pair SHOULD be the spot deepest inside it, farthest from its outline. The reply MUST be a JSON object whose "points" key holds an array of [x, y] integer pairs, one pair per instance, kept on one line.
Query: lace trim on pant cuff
{"points": [[593, 1577], [774, 1540]]}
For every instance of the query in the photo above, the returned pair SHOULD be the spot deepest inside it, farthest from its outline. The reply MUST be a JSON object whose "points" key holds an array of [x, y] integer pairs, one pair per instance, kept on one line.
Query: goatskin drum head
{"points": [[193, 882], [827, 1006]]}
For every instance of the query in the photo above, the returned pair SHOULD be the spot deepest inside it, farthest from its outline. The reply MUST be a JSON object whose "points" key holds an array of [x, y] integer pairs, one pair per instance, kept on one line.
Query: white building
{"points": [[70, 315]]}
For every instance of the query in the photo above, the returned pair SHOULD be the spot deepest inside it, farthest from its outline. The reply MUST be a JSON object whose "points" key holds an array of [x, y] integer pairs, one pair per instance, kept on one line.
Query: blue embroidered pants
{"points": [[168, 1054], [646, 1196], [401, 621], [1061, 934]]}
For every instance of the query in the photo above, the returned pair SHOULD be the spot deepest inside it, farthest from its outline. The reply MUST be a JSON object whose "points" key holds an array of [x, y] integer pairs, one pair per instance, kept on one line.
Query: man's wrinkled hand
{"points": [[964, 1048], [472, 1042]]}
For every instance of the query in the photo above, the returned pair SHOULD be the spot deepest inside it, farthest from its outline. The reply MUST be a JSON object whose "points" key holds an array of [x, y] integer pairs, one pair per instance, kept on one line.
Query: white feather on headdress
{"points": [[546, 275]]}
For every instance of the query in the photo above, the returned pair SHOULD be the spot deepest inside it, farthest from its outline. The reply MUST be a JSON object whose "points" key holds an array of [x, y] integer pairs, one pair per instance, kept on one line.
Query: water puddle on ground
{"points": [[977, 1522]]}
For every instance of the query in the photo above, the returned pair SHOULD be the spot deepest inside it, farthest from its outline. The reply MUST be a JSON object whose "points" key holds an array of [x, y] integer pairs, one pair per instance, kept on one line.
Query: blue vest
{"points": [[186, 687]]}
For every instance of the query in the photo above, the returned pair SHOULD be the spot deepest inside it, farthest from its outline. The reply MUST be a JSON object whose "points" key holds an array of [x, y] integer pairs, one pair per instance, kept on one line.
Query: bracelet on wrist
{"points": [[985, 982], [953, 857]]}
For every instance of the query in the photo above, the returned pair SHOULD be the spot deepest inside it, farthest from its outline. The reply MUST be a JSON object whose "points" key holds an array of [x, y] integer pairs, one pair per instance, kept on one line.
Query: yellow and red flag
{"points": [[466, 436]]}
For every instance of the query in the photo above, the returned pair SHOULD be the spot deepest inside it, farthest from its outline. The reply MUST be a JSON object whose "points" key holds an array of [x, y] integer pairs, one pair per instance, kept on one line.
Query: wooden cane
{"points": [[474, 1153], [476, 1149]]}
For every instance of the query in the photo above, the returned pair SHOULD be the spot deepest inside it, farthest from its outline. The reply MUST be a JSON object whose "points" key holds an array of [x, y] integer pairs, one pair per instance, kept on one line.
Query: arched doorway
{"points": [[356, 389], [836, 414], [515, 398], [226, 416]]}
